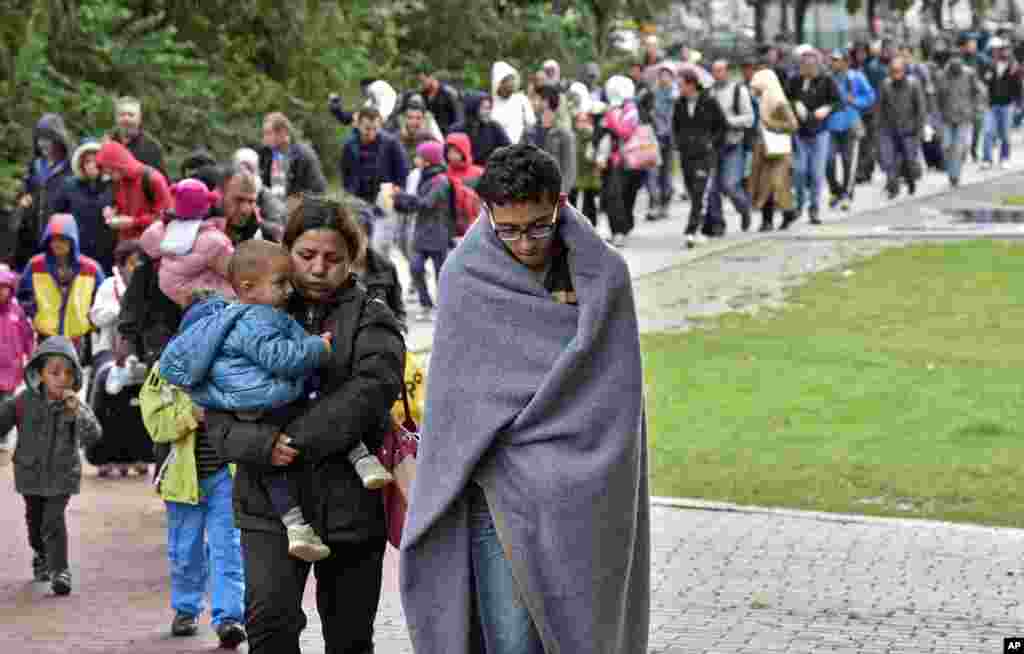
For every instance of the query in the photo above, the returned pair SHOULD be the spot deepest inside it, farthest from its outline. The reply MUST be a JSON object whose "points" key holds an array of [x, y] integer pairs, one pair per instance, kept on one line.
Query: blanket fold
{"points": [[540, 403]]}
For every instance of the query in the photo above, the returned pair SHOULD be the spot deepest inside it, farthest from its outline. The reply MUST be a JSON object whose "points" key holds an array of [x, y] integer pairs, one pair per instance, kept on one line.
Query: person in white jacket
{"points": [[511, 108]]}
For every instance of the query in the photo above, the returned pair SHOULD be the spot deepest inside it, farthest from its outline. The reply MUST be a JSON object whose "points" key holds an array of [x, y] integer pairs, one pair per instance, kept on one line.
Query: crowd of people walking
{"points": [[243, 328]]}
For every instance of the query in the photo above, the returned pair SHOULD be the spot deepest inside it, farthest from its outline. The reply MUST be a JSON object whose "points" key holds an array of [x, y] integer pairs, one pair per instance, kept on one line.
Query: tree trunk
{"points": [[799, 14], [759, 20]]}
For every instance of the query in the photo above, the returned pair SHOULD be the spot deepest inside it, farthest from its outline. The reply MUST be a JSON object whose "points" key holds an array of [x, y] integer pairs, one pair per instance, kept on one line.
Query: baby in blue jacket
{"points": [[252, 358]]}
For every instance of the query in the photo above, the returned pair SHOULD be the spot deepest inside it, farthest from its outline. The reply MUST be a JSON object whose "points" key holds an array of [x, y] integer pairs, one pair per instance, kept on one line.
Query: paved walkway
{"points": [[724, 581]]}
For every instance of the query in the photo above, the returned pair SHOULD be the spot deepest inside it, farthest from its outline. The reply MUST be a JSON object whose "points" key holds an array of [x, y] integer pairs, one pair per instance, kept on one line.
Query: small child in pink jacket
{"points": [[193, 249], [17, 338]]}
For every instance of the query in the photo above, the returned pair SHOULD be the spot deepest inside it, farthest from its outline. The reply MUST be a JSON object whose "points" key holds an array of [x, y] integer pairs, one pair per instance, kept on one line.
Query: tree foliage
{"points": [[206, 72]]}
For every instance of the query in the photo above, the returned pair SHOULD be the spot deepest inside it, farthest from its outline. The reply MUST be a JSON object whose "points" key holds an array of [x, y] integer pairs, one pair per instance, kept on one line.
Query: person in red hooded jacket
{"points": [[141, 192], [459, 153]]}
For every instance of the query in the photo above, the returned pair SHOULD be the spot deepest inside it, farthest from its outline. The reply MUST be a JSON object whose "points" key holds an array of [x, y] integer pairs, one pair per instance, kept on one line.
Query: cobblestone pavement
{"points": [[724, 582]]}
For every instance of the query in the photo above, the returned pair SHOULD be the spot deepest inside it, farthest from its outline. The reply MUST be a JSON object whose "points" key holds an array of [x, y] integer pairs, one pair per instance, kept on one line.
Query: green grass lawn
{"points": [[893, 391]]}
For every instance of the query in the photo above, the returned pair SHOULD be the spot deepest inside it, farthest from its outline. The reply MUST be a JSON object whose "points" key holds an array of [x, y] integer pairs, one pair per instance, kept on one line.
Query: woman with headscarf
{"points": [[771, 182], [620, 185]]}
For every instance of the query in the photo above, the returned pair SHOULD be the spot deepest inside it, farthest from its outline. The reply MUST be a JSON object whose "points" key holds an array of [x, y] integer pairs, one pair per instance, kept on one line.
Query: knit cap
{"points": [[432, 152], [192, 199]]}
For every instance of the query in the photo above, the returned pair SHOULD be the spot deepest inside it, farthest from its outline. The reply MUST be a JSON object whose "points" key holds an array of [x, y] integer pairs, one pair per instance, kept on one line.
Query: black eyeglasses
{"points": [[538, 230]]}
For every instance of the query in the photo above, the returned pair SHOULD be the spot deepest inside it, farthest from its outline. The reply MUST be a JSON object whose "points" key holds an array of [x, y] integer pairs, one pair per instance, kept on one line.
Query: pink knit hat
{"points": [[192, 199], [432, 152]]}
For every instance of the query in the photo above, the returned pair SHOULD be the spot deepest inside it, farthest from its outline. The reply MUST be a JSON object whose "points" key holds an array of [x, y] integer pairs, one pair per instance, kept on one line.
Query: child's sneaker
{"points": [[61, 583], [373, 473], [40, 571], [184, 624], [305, 544]]}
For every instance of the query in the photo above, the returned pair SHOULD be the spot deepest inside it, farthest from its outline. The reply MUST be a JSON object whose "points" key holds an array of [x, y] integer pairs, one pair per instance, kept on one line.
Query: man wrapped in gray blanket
{"points": [[528, 530]]}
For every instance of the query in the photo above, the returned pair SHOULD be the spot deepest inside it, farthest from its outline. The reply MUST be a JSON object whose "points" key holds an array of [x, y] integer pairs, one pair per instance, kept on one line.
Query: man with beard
{"points": [[441, 100], [130, 134]]}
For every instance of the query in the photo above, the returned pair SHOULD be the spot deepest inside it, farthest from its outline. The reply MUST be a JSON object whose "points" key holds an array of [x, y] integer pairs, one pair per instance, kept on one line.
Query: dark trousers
{"points": [[868, 147], [47, 529], [282, 492], [842, 149], [621, 187], [589, 207], [418, 270], [348, 585], [696, 175]]}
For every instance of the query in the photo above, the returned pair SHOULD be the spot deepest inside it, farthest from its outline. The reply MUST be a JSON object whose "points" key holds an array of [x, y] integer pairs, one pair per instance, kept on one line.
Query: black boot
{"points": [[892, 187], [767, 220], [40, 571], [745, 222], [788, 218], [813, 214]]}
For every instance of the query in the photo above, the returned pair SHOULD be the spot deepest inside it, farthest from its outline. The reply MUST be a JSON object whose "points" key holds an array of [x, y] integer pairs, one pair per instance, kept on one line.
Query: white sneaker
{"points": [[305, 544], [1003, 164], [986, 165], [373, 473]]}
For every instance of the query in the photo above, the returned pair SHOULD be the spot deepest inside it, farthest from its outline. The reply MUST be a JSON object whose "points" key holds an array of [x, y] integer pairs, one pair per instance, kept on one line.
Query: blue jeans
{"points": [[811, 155], [418, 269], [728, 180], [997, 125], [659, 180], [504, 621], [956, 141], [204, 549]]}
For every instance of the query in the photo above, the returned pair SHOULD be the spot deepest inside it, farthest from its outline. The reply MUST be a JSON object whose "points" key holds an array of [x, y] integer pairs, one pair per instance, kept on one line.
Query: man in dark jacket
{"points": [[372, 157], [903, 106], [485, 135], [698, 129], [814, 97], [1003, 79], [43, 183], [442, 101], [288, 168], [130, 134]]}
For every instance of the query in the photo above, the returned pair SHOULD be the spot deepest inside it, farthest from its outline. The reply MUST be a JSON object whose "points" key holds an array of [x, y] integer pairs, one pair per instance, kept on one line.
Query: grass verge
{"points": [[891, 391]]}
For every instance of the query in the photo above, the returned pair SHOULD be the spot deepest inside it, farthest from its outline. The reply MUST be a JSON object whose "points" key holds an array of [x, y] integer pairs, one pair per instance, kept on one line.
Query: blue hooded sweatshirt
{"points": [[241, 357]]}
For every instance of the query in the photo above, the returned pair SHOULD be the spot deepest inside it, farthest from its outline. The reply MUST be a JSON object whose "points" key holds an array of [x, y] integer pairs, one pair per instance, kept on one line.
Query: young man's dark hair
{"points": [[369, 113], [520, 173], [690, 77]]}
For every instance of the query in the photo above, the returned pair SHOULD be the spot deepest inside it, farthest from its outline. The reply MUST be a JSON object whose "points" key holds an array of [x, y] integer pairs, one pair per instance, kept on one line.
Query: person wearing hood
{"points": [[1003, 79], [129, 133], [961, 97], [141, 192], [591, 77], [553, 78], [435, 221], [442, 100], [620, 185], [52, 425], [43, 183], [270, 212], [511, 108], [59, 286], [16, 336], [484, 133], [554, 139], [814, 96], [458, 153], [86, 196]]}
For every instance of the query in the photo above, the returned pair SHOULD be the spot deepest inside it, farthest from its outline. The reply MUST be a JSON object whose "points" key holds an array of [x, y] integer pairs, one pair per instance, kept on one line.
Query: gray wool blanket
{"points": [[540, 403]]}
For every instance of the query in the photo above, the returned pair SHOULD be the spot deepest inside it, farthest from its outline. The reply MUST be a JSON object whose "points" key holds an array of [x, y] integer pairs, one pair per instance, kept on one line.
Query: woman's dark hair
{"points": [[307, 212], [125, 250], [520, 173], [690, 77], [552, 98]]}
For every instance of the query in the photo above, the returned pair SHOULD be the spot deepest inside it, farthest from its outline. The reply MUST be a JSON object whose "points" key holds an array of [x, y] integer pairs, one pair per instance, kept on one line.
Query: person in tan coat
{"points": [[771, 181]]}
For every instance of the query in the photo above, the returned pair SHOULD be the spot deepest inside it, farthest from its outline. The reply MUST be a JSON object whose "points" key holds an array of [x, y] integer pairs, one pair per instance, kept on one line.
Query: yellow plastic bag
{"points": [[416, 386]]}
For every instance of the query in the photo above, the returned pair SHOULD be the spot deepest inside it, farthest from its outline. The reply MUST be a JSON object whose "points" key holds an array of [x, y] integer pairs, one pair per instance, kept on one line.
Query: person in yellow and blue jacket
{"points": [[203, 545], [59, 284]]}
